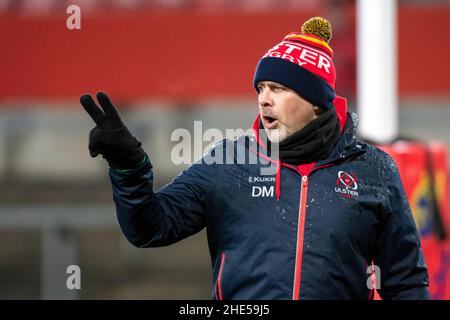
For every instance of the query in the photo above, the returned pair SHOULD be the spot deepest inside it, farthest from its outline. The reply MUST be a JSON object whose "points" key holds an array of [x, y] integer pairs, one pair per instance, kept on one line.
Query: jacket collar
{"points": [[347, 145]]}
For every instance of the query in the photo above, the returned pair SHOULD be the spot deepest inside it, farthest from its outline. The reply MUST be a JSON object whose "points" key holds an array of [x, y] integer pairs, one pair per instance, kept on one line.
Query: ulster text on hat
{"points": [[300, 55]]}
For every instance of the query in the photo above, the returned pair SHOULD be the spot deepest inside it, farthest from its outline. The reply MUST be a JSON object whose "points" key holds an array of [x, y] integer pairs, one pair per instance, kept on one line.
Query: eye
{"points": [[259, 87]]}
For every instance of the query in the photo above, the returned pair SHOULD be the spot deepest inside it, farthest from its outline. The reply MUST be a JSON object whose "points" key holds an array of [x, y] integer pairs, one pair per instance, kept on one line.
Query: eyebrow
{"points": [[270, 84]]}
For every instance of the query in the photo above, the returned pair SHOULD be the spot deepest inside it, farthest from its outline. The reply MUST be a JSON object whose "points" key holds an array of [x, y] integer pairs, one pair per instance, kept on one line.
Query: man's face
{"points": [[282, 110]]}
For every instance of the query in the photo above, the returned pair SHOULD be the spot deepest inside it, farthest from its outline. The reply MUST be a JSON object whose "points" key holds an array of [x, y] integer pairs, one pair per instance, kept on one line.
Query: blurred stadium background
{"points": [[165, 63]]}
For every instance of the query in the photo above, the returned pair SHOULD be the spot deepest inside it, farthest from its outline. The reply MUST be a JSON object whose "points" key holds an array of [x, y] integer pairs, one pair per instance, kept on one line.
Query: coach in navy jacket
{"points": [[332, 210]]}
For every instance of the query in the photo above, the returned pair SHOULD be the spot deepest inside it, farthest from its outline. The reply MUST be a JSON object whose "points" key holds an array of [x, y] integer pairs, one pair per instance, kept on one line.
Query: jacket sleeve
{"points": [[153, 219], [398, 251]]}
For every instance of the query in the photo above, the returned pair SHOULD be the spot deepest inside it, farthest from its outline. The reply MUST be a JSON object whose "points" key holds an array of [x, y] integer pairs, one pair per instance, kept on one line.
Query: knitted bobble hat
{"points": [[302, 61]]}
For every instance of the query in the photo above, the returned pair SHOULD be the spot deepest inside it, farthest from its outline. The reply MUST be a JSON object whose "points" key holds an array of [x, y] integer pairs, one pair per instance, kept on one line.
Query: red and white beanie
{"points": [[303, 62]]}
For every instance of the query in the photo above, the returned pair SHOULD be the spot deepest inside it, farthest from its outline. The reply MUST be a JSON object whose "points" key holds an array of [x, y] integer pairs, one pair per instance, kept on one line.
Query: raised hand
{"points": [[110, 137]]}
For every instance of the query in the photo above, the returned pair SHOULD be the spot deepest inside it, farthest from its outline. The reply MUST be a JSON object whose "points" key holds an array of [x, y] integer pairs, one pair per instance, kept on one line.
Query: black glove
{"points": [[110, 137]]}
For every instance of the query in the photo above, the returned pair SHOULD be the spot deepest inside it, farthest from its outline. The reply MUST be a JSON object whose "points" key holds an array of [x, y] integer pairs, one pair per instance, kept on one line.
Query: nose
{"points": [[264, 98]]}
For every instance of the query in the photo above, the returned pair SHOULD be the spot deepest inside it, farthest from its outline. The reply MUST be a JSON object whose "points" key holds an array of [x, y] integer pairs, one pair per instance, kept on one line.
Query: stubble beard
{"points": [[276, 135]]}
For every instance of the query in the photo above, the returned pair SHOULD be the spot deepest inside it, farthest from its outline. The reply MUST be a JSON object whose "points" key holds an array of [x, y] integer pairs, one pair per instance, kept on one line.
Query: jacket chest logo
{"points": [[261, 190], [347, 185]]}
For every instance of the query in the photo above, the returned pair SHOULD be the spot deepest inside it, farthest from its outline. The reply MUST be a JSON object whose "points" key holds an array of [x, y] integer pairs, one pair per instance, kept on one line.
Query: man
{"points": [[334, 208]]}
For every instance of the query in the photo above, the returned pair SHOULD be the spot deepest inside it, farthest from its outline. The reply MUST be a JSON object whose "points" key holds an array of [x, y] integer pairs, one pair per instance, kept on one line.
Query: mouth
{"points": [[270, 122]]}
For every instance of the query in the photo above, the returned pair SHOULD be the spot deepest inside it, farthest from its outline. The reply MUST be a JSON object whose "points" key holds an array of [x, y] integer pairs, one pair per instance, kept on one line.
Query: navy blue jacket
{"points": [[306, 232]]}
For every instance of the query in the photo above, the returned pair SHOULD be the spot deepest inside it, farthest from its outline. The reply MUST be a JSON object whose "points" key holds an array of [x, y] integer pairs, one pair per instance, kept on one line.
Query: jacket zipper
{"points": [[300, 234], [218, 290]]}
